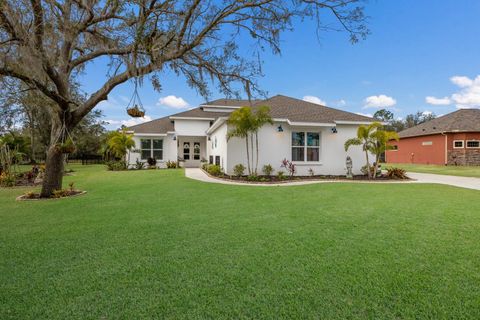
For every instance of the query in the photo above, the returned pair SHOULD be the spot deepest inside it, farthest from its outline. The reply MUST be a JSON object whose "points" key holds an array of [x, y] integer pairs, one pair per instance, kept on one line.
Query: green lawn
{"points": [[463, 171], [154, 244]]}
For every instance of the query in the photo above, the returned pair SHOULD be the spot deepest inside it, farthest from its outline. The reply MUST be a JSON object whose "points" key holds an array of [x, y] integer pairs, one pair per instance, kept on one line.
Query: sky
{"points": [[420, 56]]}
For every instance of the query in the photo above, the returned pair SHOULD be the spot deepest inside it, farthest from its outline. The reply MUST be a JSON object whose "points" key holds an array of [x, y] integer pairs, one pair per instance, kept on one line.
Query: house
{"points": [[453, 139], [310, 135]]}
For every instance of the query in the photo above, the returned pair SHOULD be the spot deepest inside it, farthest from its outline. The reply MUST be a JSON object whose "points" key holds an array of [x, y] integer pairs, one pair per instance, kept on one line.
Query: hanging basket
{"points": [[67, 147], [135, 107], [135, 112]]}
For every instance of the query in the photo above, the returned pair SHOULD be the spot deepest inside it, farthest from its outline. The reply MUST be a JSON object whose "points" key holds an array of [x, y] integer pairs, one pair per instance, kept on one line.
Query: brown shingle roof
{"points": [[302, 111], [231, 102], [466, 120], [281, 107]]}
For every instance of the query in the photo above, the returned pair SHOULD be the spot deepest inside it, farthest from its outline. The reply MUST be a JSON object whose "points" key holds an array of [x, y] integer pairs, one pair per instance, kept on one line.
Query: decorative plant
{"points": [[116, 165], [152, 162], [311, 172], [281, 175], [71, 186], [139, 165], [396, 173], [289, 166], [214, 170], [119, 143], [373, 139], [267, 170], [239, 170], [171, 164]]}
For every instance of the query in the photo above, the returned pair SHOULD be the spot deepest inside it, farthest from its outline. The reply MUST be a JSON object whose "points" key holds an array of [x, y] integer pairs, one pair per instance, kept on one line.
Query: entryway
{"points": [[191, 150]]}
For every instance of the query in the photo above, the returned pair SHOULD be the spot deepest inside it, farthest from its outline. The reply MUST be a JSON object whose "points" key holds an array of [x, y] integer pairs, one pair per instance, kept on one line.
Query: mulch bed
{"points": [[275, 180], [36, 196]]}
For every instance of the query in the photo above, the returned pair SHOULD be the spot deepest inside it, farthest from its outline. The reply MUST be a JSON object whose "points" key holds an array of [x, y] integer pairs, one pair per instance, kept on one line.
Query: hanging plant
{"points": [[66, 147], [135, 107]]}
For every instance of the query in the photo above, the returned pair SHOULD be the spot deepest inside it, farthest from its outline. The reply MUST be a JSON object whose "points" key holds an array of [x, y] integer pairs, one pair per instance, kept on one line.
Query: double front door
{"points": [[191, 153]]}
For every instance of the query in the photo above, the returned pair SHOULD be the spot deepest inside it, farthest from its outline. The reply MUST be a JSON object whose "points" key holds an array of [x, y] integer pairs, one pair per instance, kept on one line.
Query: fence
{"points": [[83, 159]]}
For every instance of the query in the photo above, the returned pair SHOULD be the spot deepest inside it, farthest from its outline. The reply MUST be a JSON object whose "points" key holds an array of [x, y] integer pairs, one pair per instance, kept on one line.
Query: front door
{"points": [[191, 153]]}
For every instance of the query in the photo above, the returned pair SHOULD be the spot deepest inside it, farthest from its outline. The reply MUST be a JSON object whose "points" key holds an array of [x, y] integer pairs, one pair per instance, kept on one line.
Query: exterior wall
{"points": [[191, 127], [217, 145], [275, 146], [463, 156], [169, 149], [423, 150]]}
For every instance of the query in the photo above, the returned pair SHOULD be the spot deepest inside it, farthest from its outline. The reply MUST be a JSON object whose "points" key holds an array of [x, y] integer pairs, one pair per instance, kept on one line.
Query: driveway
{"points": [[462, 182]]}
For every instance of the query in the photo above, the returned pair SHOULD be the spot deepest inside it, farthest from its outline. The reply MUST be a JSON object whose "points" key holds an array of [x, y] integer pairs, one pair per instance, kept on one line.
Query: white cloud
{"points": [[462, 81], [341, 103], [445, 101], [426, 113], [172, 101], [314, 99], [129, 122], [380, 101]]}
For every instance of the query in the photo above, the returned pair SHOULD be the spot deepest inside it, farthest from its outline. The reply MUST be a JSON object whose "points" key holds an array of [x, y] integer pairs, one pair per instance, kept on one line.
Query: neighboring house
{"points": [[453, 139], [311, 135]]}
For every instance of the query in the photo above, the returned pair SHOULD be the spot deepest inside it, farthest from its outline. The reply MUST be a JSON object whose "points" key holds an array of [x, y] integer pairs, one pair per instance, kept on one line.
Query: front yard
{"points": [[462, 171], [154, 244]]}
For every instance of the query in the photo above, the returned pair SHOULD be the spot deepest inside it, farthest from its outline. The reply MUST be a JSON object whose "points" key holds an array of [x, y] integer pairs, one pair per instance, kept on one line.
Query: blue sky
{"points": [[420, 56]]}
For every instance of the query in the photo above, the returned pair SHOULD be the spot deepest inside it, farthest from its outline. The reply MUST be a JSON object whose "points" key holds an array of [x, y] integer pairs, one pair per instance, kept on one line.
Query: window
{"points": [[306, 146], [196, 151], [395, 147], [473, 144], [457, 144], [186, 151], [427, 143], [217, 160], [151, 148]]}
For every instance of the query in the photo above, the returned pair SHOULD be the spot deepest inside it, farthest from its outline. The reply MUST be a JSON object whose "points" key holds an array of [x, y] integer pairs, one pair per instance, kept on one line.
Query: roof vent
{"points": [[434, 128], [423, 129]]}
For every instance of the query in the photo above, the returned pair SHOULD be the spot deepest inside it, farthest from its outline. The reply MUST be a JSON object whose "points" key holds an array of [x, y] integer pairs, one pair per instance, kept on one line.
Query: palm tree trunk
{"points": [[256, 159], [251, 147], [248, 155], [368, 165]]}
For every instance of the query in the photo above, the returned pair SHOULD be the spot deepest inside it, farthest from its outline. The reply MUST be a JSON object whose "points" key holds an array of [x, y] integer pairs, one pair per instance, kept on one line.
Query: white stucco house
{"points": [[310, 135]]}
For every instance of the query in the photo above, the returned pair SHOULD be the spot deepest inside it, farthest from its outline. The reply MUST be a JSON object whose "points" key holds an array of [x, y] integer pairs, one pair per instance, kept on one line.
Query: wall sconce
{"points": [[334, 130], [209, 138], [174, 137], [280, 129]]}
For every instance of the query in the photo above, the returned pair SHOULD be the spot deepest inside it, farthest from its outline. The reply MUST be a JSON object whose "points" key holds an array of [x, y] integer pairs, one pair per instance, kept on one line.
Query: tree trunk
{"points": [[256, 156], [52, 180], [251, 148], [368, 165], [53, 177], [248, 155]]}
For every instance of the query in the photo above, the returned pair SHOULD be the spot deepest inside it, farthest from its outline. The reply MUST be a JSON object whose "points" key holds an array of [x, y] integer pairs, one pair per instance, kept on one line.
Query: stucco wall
{"points": [[275, 146], [217, 146], [423, 150], [169, 149], [191, 127]]}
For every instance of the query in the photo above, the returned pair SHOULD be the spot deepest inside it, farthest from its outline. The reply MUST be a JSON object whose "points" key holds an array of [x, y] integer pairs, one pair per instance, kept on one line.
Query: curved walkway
{"points": [[462, 182]]}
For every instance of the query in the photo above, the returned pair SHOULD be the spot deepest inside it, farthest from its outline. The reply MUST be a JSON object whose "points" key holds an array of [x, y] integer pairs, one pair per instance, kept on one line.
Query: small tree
{"points": [[365, 139], [119, 143], [380, 139], [241, 121], [261, 118]]}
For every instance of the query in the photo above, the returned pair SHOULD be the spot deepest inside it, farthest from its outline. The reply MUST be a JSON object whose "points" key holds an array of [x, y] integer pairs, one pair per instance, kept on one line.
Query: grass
{"points": [[462, 171], [154, 244]]}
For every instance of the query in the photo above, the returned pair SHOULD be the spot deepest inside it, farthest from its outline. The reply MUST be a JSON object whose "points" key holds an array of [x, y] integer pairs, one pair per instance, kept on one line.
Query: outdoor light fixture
{"points": [[209, 138], [334, 130], [280, 129], [174, 137]]}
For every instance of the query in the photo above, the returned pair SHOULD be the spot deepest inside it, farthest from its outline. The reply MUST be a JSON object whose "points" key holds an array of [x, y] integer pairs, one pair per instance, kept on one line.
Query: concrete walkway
{"points": [[462, 182]]}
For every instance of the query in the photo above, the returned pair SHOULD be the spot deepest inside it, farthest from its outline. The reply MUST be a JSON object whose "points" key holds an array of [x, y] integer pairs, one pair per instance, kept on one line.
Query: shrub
{"points": [[396, 173], [171, 164], [267, 169], [289, 166], [7, 179], [152, 162], [30, 195], [71, 186], [139, 165], [239, 170], [281, 175], [60, 193], [205, 166], [214, 170], [311, 172], [116, 165], [253, 177]]}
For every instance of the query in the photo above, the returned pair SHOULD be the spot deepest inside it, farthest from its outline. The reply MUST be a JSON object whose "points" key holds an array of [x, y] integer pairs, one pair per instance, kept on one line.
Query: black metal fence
{"points": [[82, 159]]}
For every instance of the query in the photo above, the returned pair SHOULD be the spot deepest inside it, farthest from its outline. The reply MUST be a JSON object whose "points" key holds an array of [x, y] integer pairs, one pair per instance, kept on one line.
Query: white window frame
{"points": [[455, 141], [305, 146], [466, 144], [151, 148]]}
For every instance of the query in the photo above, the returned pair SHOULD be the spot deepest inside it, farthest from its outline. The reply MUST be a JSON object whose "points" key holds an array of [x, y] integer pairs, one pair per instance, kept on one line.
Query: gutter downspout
{"points": [[446, 144]]}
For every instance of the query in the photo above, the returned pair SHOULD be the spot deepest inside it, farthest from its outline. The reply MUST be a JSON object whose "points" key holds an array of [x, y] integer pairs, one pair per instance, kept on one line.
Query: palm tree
{"points": [[380, 144], [365, 139], [261, 118], [119, 143], [241, 121]]}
